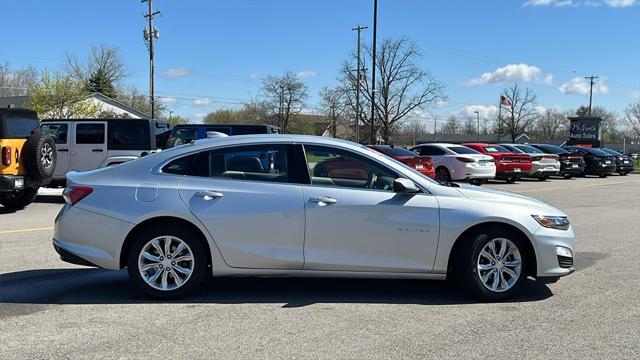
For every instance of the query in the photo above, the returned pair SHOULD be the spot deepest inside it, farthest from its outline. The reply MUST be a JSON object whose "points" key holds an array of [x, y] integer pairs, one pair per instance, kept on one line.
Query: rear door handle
{"points": [[63, 150], [96, 150], [323, 200], [209, 194]]}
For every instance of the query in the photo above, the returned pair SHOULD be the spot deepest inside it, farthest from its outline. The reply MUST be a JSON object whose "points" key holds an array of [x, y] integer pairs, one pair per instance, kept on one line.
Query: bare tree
{"points": [[611, 122], [139, 101], [285, 97], [521, 112], [410, 132], [332, 105], [100, 72], [470, 127], [16, 82], [402, 87], [451, 126], [632, 114], [550, 123]]}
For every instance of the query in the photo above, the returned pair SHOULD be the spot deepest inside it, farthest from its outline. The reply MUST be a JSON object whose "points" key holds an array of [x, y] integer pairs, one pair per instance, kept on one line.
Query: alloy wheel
{"points": [[46, 157], [166, 263], [499, 265]]}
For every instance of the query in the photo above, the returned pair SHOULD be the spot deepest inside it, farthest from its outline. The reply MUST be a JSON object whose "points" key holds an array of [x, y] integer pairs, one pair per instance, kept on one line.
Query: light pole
{"points": [[478, 117]]}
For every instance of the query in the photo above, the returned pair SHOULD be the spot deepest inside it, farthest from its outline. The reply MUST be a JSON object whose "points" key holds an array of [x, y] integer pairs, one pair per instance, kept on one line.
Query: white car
{"points": [[457, 162], [292, 205], [87, 144]]}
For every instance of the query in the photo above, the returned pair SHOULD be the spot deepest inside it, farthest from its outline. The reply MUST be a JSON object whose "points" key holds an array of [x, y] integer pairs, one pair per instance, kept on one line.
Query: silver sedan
{"points": [[285, 205]]}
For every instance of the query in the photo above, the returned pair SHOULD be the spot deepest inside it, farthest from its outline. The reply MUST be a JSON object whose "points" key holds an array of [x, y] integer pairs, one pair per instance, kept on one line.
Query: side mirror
{"points": [[401, 185]]}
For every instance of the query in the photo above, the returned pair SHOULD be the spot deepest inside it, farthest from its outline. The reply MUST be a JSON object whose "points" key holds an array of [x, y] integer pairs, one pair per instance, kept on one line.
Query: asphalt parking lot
{"points": [[51, 309]]}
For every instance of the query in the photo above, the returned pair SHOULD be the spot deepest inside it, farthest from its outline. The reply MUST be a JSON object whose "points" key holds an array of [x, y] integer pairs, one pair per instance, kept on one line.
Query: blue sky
{"points": [[211, 53]]}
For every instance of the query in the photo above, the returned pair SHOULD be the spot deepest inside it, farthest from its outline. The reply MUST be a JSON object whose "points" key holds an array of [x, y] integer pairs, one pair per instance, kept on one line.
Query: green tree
{"points": [[60, 96]]}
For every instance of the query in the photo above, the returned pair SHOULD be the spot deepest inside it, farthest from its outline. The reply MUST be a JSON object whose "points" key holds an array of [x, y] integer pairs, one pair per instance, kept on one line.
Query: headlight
{"points": [[554, 222]]}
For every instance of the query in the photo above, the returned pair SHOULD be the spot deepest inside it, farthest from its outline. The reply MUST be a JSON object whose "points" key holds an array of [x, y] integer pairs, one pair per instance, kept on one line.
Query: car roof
{"points": [[478, 144], [273, 138], [438, 144]]}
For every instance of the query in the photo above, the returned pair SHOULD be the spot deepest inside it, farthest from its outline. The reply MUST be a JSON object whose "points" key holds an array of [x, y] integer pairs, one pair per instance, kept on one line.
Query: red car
{"points": [[421, 164], [509, 166]]}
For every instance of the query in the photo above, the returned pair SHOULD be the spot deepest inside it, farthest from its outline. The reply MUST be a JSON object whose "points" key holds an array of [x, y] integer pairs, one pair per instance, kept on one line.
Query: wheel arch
{"points": [[162, 220], [531, 260]]}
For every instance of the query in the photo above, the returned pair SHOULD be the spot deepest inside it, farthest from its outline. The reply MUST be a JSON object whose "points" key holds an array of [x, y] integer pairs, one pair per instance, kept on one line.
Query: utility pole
{"points": [[358, 28], [373, 73], [591, 82], [150, 33]]}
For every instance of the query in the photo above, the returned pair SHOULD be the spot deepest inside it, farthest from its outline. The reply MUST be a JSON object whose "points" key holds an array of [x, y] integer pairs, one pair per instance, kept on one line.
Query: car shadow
{"points": [[49, 199], [98, 286]]}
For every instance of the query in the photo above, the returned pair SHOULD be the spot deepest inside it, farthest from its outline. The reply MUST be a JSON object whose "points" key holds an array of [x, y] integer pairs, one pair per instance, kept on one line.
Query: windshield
{"points": [[462, 150], [552, 149], [528, 149], [496, 149], [612, 152], [396, 151]]}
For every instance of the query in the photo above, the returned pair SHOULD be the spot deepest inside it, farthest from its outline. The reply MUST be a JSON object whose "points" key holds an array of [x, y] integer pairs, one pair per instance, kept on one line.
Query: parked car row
{"points": [[478, 162]]}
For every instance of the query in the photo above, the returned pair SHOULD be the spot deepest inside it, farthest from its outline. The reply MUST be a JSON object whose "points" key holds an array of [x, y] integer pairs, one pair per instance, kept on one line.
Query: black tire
{"points": [[466, 264], [17, 200], [173, 142], [39, 156], [443, 175], [603, 175], [511, 180], [567, 176], [199, 261], [623, 173], [476, 182], [543, 177]]}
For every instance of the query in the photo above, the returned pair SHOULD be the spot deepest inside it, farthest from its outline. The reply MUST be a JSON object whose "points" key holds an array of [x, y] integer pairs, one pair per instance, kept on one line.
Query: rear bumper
{"points": [[539, 169], [10, 183], [567, 168], [474, 171], [624, 168]]}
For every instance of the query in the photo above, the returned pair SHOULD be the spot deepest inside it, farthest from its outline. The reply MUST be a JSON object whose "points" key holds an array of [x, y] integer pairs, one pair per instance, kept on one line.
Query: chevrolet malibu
{"points": [[254, 206]]}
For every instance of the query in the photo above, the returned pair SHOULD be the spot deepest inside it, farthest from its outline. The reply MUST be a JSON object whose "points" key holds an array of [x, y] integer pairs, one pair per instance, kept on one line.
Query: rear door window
{"points": [[57, 131], [129, 135], [89, 133]]}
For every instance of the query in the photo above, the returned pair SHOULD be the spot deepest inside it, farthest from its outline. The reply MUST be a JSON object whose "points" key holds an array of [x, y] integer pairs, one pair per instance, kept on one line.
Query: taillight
{"points": [[76, 193], [464, 159], [536, 158], [6, 156]]}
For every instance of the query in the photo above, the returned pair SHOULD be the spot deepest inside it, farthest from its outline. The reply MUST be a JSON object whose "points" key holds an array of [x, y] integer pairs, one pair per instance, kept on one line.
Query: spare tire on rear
{"points": [[39, 156], [173, 142]]}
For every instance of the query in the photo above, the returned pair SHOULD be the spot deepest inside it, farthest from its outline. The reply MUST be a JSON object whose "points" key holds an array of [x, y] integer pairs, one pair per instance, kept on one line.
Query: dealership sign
{"points": [[584, 130]]}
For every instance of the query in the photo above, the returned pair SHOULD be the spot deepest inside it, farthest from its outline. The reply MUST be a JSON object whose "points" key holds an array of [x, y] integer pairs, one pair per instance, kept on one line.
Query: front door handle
{"points": [[96, 150], [209, 194], [323, 200]]}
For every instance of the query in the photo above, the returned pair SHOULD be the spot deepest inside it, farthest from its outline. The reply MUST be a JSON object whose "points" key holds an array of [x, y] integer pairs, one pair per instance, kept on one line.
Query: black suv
{"points": [[597, 162], [624, 164], [570, 164]]}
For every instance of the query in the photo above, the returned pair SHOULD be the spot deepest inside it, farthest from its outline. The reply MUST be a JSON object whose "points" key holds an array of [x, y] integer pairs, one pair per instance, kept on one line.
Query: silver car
{"points": [[543, 165], [288, 205]]}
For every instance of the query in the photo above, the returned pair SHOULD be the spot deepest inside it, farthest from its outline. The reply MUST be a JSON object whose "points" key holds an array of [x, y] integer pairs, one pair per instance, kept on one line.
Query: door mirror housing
{"points": [[401, 185]]}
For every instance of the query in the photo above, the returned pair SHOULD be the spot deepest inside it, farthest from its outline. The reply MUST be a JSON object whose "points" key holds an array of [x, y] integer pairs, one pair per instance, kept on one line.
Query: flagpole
{"points": [[500, 118]]}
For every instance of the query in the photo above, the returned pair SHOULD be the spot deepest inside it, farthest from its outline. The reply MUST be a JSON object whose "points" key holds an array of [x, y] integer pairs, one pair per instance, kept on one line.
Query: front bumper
{"points": [[552, 262], [622, 167]]}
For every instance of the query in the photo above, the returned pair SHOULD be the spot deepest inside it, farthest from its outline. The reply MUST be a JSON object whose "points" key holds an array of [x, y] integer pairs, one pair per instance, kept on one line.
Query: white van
{"points": [[87, 144]]}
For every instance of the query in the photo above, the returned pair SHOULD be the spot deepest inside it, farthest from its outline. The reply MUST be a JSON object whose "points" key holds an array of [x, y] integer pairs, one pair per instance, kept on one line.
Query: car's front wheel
{"points": [[492, 265], [167, 262]]}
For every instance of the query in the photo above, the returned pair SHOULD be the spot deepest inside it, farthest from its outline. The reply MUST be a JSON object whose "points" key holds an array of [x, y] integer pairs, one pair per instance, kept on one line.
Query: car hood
{"points": [[537, 207]]}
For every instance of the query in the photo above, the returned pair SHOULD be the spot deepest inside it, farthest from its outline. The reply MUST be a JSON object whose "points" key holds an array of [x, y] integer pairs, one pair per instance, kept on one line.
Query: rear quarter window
{"points": [[129, 135], [14, 127]]}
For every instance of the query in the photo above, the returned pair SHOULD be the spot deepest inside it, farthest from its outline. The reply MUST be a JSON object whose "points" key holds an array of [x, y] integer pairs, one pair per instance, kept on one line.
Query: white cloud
{"points": [[620, 3], [167, 99], [177, 72], [512, 73], [202, 102], [255, 77], [593, 3], [305, 74], [558, 3], [580, 85], [442, 104], [199, 115], [485, 112]]}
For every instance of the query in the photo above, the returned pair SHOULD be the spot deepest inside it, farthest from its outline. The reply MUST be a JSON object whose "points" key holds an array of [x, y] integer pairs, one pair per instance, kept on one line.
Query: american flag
{"points": [[505, 100]]}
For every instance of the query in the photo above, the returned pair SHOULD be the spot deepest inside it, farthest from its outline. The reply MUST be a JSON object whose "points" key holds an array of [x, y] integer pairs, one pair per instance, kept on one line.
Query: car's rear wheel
{"points": [[567, 176], [477, 182], [492, 266], [603, 175], [165, 262], [511, 179], [17, 200], [443, 175], [543, 177]]}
